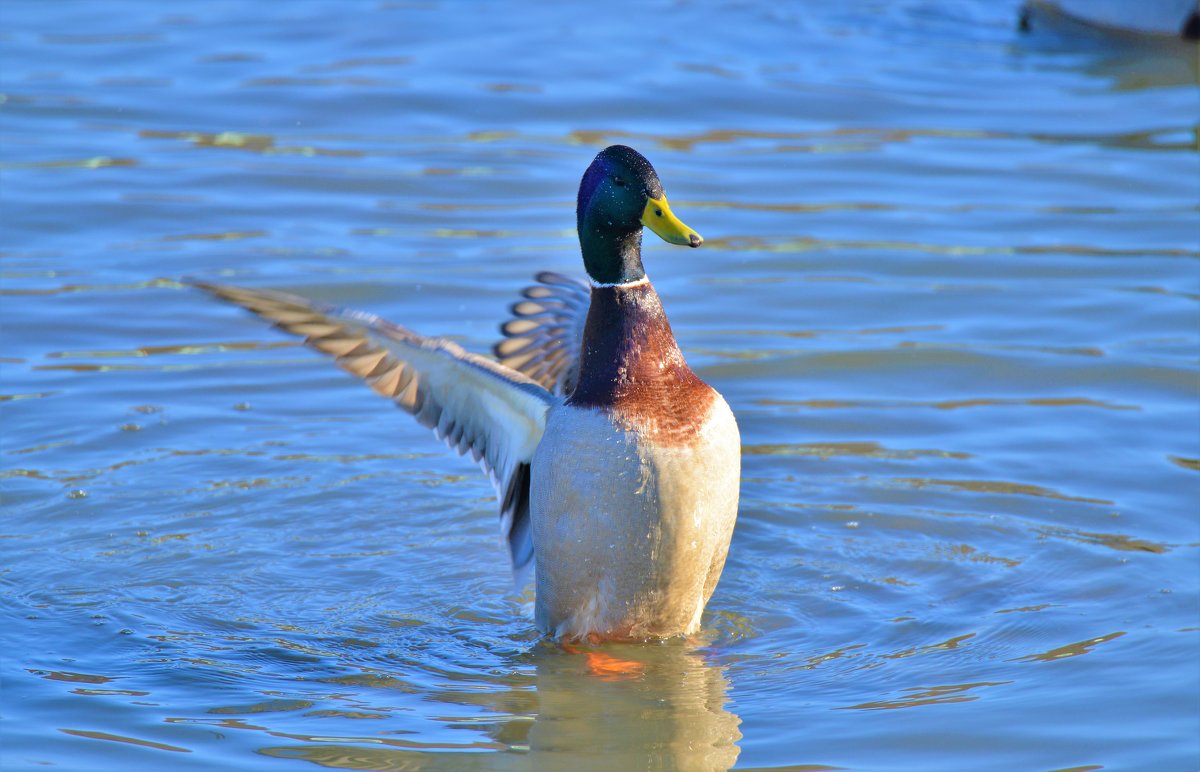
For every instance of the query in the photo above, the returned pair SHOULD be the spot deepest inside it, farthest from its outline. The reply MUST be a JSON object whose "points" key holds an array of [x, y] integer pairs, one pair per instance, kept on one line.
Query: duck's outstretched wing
{"points": [[543, 339], [474, 404]]}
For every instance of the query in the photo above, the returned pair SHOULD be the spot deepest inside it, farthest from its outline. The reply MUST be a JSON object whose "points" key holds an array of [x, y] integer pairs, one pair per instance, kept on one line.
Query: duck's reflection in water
{"points": [[632, 707], [652, 707]]}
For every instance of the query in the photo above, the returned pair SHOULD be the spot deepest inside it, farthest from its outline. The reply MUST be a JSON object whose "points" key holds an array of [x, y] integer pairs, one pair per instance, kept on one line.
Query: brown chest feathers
{"points": [[630, 365]]}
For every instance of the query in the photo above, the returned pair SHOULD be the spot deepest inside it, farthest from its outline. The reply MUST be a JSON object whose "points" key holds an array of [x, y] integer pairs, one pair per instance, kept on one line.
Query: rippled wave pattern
{"points": [[949, 287]]}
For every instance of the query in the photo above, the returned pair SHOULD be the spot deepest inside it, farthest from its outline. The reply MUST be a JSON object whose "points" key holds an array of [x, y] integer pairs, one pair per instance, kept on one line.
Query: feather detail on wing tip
{"points": [[543, 338], [473, 404]]}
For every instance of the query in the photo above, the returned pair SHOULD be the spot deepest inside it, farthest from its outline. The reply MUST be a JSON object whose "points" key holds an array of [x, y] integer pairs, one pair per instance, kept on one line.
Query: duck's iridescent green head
{"points": [[620, 192]]}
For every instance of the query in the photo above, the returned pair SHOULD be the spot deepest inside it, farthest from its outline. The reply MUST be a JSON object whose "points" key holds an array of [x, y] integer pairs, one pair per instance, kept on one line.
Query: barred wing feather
{"points": [[472, 403], [543, 339]]}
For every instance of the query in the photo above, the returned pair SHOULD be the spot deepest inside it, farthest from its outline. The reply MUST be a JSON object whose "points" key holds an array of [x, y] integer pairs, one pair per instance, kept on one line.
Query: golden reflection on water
{"points": [[868, 139], [973, 555], [93, 368], [809, 244], [833, 449], [63, 675], [1114, 541], [31, 395], [108, 692], [946, 645], [996, 486], [1084, 351], [69, 288], [815, 333], [122, 739], [254, 143], [935, 695], [266, 706], [96, 162], [30, 473], [187, 348], [1025, 609], [1186, 463], [1070, 650], [217, 236]]}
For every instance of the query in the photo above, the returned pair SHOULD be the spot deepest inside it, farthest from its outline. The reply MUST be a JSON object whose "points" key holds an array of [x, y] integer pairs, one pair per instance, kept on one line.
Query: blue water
{"points": [[949, 287]]}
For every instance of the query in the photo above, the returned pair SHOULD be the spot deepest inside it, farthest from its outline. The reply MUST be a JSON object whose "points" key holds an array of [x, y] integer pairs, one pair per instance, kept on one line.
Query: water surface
{"points": [[949, 287]]}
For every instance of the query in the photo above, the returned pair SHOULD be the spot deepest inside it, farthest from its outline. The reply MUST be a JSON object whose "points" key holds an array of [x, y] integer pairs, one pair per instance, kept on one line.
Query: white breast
{"points": [[629, 535]]}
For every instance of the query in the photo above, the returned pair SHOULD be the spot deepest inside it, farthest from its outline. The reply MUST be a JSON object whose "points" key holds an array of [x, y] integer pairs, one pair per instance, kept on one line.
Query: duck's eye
{"points": [[620, 183]]}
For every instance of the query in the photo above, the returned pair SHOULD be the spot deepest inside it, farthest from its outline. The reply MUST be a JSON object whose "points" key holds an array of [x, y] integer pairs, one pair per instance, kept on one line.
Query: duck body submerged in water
{"points": [[616, 467], [1170, 18]]}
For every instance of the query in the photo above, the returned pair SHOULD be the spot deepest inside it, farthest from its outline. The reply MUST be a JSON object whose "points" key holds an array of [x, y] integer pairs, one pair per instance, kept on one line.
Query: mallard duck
{"points": [[616, 467], [1147, 17]]}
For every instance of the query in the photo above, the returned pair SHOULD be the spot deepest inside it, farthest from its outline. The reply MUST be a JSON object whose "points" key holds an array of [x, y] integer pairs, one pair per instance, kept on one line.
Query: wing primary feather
{"points": [[544, 337], [476, 405]]}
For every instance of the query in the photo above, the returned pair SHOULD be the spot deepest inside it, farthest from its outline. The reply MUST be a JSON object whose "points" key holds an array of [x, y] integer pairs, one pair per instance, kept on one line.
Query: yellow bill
{"points": [[658, 217]]}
